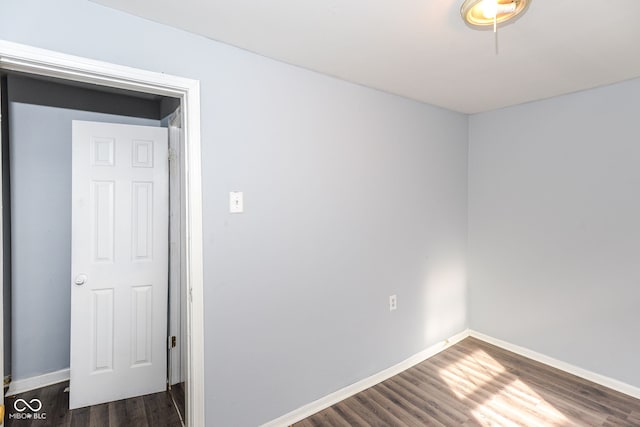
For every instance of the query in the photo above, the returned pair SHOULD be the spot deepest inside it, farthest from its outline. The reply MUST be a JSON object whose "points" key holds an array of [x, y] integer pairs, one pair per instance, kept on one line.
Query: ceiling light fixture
{"points": [[483, 14]]}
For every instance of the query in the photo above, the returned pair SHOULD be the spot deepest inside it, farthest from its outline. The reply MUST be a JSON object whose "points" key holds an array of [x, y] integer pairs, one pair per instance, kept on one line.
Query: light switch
{"points": [[235, 202]]}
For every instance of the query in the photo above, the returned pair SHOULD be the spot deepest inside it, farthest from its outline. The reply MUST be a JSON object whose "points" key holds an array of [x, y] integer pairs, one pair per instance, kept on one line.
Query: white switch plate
{"points": [[236, 204], [393, 302]]}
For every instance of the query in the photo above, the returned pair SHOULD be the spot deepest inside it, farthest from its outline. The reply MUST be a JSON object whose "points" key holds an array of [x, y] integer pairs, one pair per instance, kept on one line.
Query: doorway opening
{"points": [[183, 122]]}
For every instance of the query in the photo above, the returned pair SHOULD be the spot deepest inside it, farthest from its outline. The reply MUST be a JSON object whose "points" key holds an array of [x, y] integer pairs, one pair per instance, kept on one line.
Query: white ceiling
{"points": [[422, 49]]}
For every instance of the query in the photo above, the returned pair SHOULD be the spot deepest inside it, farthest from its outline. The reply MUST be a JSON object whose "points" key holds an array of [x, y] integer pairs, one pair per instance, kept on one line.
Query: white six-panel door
{"points": [[119, 268]]}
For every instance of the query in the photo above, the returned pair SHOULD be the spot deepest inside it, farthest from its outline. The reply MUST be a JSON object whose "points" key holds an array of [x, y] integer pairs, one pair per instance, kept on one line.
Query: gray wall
{"points": [[40, 163], [554, 228], [351, 195]]}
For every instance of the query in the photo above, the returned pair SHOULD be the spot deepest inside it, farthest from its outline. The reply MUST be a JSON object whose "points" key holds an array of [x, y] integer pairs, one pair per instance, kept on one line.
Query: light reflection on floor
{"points": [[501, 398]]}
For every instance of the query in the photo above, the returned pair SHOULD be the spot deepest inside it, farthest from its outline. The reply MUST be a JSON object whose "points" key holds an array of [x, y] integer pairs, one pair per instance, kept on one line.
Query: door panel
{"points": [[142, 230], [142, 316], [103, 331], [119, 262], [102, 213]]}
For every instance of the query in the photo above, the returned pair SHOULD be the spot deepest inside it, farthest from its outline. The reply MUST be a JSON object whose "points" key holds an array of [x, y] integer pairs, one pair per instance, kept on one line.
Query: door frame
{"points": [[22, 58], [3, 94]]}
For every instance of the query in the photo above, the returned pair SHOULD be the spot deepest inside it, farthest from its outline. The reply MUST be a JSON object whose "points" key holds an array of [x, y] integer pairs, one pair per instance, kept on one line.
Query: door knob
{"points": [[80, 279]]}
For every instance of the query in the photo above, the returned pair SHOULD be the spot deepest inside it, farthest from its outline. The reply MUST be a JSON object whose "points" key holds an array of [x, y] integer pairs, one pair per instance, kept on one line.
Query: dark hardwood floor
{"points": [[177, 393], [476, 384], [151, 410]]}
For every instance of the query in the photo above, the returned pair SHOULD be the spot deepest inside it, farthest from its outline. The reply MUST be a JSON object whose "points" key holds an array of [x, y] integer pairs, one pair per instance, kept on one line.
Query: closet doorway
{"points": [[185, 264]]}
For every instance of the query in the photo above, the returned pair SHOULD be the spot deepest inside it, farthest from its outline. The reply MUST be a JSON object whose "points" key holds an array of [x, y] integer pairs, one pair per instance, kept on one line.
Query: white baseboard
{"points": [[563, 366], [28, 384], [335, 397]]}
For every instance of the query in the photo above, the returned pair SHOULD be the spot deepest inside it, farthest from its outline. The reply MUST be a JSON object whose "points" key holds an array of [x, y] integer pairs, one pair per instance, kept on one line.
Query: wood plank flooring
{"points": [[177, 393], [476, 384], [151, 410]]}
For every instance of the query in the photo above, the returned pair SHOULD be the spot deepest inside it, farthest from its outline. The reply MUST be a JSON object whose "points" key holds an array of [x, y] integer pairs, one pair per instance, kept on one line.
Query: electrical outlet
{"points": [[393, 302]]}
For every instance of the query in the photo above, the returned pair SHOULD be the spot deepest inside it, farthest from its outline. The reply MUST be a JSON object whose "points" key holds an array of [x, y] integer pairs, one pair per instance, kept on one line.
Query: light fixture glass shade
{"points": [[481, 13]]}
